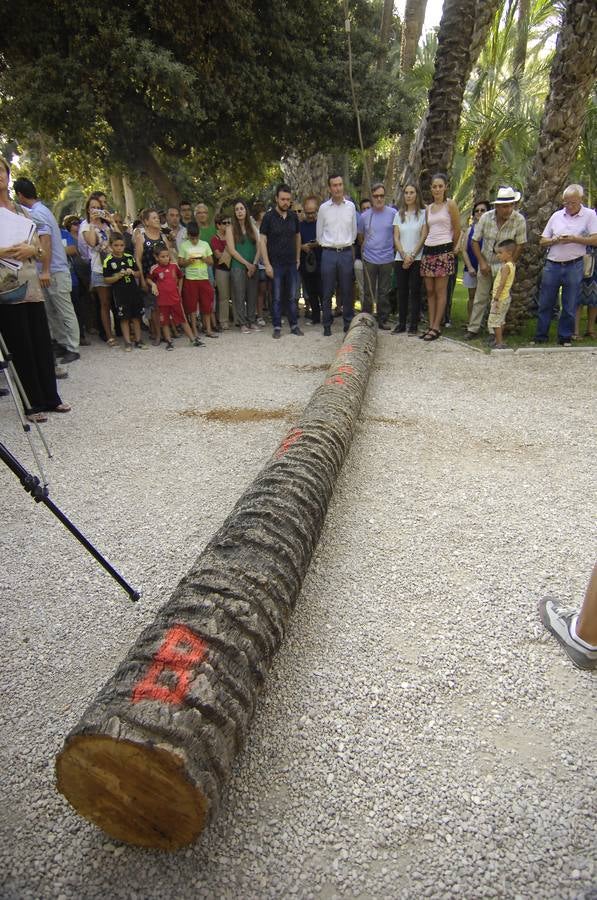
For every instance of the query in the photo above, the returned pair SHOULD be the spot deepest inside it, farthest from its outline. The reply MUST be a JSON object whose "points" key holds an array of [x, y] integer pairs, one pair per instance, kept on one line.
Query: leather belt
{"points": [[338, 249], [564, 262]]}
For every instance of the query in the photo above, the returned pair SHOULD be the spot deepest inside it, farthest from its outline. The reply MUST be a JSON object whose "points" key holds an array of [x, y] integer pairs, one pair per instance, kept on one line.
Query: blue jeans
{"points": [[567, 276], [337, 274], [285, 279]]}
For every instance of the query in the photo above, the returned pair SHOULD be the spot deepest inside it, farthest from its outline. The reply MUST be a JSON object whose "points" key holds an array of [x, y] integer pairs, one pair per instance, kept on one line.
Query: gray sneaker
{"points": [[558, 620]]}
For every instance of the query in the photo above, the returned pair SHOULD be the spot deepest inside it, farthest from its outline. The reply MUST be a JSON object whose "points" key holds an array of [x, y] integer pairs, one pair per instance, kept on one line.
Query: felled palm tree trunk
{"points": [[150, 756], [572, 77]]}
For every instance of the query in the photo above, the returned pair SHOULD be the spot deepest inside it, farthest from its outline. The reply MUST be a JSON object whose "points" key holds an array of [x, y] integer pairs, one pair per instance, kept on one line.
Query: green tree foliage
{"points": [[144, 86]]}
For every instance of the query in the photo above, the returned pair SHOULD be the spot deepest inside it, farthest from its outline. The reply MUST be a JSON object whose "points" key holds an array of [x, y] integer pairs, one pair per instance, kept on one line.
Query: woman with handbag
{"points": [[222, 260], [23, 321]]}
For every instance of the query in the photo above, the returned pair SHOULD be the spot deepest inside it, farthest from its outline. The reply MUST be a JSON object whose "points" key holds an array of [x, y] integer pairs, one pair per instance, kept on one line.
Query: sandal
{"points": [[62, 408], [37, 418], [432, 335], [112, 342], [590, 335], [576, 337], [424, 334]]}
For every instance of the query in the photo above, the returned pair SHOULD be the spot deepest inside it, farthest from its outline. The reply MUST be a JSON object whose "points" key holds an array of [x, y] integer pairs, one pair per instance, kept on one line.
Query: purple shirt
{"points": [[584, 224], [378, 228]]}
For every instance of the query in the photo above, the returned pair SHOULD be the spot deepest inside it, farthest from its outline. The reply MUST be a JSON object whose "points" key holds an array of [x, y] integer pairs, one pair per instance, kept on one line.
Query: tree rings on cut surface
{"points": [[150, 756]]}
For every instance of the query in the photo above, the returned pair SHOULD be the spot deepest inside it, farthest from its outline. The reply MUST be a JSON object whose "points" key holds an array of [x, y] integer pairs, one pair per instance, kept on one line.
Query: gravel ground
{"points": [[419, 734]]}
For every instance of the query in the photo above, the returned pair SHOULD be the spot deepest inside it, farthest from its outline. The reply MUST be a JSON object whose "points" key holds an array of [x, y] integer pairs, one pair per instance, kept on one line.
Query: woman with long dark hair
{"points": [[96, 233], [471, 263], [242, 241], [442, 233], [409, 224]]}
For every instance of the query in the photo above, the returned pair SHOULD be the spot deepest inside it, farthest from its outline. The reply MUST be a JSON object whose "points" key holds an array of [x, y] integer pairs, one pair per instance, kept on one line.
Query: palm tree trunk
{"points": [[167, 190], [462, 32], [116, 190], [381, 60], [307, 176], [572, 77], [484, 156], [452, 69], [412, 28], [129, 198]]}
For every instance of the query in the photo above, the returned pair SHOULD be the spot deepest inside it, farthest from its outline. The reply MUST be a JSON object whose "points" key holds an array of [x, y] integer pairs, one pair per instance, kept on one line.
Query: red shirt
{"points": [[219, 244], [166, 278]]}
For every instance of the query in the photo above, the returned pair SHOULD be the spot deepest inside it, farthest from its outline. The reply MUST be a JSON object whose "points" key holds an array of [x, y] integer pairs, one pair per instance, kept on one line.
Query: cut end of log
{"points": [[136, 793]]}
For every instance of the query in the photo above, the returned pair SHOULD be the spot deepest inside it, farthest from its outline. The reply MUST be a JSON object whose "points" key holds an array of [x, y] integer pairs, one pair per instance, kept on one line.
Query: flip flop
{"points": [[37, 418], [62, 408]]}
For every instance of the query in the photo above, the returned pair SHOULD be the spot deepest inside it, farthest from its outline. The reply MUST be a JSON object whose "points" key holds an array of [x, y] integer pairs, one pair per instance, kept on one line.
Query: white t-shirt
{"points": [[410, 232], [95, 252]]}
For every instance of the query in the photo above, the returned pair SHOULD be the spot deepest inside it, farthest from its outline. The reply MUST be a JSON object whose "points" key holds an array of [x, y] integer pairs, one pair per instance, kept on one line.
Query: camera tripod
{"points": [[38, 487]]}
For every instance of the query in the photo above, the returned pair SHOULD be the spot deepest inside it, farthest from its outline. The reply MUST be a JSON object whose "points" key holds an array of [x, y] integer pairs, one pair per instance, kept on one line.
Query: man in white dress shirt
{"points": [[336, 234]]}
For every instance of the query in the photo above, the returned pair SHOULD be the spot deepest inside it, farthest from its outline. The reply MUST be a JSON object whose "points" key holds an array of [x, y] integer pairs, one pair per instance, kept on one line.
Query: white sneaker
{"points": [[558, 620]]}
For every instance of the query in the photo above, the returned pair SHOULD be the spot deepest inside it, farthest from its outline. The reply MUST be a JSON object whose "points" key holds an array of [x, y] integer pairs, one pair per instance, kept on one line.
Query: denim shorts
{"points": [[97, 280]]}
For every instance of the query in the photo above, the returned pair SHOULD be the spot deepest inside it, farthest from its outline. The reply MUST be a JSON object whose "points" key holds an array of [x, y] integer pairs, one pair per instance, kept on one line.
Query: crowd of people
{"points": [[173, 273]]}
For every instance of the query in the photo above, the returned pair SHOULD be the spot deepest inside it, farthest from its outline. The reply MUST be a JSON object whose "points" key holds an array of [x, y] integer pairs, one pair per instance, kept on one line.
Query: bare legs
{"points": [[586, 627], [105, 296], [437, 296]]}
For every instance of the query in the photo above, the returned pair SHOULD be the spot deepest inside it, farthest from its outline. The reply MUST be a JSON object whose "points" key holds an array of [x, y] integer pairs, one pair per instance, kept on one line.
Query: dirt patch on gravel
{"points": [[237, 415]]}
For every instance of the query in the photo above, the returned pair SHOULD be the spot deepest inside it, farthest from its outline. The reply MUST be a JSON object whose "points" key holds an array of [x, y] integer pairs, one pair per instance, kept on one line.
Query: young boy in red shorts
{"points": [[194, 256], [168, 277]]}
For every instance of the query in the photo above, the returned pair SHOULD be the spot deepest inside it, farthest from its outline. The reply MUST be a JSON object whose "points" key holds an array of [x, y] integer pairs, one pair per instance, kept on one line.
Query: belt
{"points": [[564, 262], [338, 249]]}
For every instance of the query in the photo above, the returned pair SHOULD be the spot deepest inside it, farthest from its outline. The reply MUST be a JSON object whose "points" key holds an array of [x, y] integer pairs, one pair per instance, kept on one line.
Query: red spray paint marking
{"points": [[345, 348], [290, 439], [179, 650], [335, 379], [348, 370]]}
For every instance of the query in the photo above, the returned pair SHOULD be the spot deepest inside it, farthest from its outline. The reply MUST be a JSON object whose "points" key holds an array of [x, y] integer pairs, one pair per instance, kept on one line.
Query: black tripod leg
{"points": [[40, 494]]}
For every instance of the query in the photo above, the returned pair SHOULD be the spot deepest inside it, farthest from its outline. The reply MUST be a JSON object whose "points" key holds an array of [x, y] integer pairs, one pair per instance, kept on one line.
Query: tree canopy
{"points": [[139, 85]]}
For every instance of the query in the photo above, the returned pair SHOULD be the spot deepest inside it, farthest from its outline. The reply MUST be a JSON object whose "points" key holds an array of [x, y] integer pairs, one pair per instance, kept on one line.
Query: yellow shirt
{"points": [[505, 293]]}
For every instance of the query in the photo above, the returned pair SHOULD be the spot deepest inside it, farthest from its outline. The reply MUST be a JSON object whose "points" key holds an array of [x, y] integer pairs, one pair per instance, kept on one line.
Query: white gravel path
{"points": [[419, 734]]}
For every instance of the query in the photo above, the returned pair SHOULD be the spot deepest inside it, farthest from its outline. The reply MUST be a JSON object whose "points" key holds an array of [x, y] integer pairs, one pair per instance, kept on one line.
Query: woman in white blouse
{"points": [[409, 236]]}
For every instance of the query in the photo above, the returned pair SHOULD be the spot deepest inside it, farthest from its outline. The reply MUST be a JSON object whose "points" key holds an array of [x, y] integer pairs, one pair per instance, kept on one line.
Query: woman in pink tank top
{"points": [[442, 234]]}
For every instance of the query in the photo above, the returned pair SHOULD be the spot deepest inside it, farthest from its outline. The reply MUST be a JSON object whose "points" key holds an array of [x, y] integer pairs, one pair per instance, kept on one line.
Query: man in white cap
{"points": [[567, 235], [501, 223]]}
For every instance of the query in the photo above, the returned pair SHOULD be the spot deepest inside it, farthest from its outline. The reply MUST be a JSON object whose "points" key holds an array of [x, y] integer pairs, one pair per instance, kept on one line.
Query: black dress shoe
{"points": [[70, 356], [327, 331]]}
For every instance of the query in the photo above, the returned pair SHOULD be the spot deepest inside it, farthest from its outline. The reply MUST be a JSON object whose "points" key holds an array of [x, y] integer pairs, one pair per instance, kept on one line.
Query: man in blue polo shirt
{"points": [[54, 272], [280, 242], [376, 234]]}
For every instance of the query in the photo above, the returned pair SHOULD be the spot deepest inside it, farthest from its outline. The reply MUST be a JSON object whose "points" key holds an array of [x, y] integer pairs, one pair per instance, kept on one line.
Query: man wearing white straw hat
{"points": [[501, 223]]}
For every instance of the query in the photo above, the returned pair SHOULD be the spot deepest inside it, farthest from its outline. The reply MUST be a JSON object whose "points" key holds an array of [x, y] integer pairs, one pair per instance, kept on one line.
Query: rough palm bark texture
{"points": [[484, 156], [462, 33], [572, 77], [412, 28], [447, 89], [150, 756], [307, 176]]}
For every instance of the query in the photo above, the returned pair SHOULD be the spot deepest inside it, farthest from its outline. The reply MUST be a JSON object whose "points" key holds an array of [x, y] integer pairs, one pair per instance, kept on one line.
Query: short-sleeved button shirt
{"points": [[281, 236], [488, 231]]}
